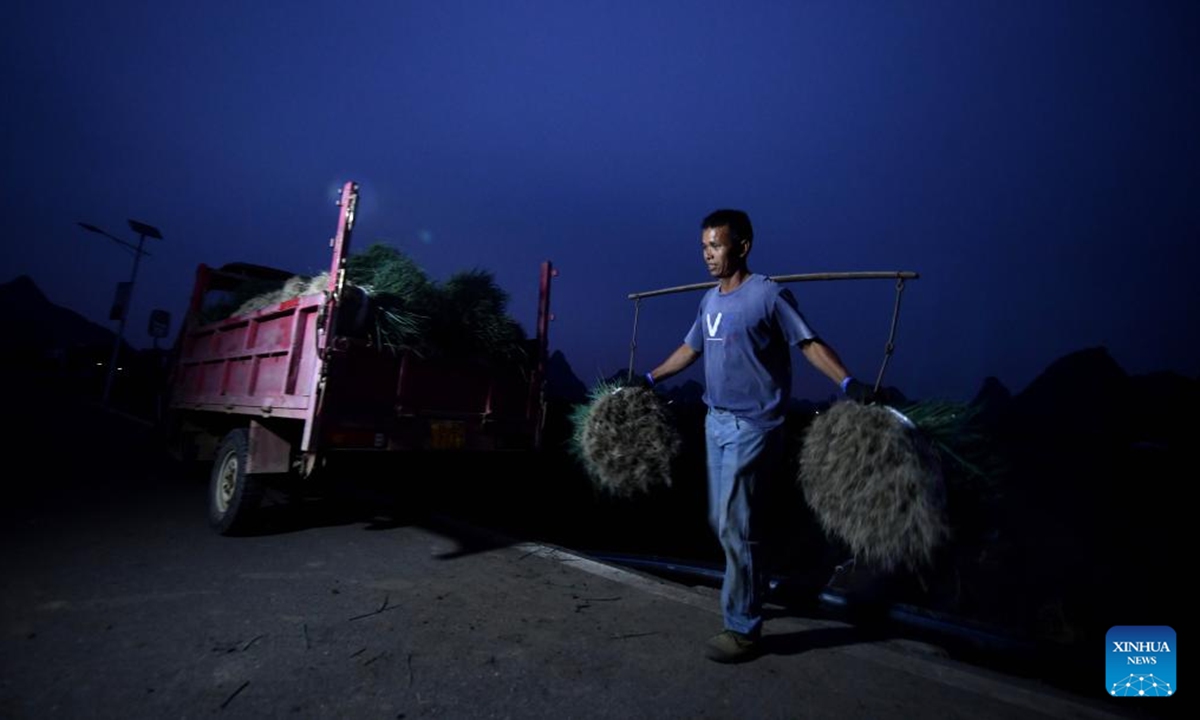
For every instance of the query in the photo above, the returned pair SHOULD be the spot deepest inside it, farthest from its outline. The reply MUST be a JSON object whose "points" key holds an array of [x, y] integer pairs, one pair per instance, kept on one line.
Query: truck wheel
{"points": [[233, 495]]}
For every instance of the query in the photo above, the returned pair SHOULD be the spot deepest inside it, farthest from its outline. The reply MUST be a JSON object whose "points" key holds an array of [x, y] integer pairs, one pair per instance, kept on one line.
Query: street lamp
{"points": [[144, 231]]}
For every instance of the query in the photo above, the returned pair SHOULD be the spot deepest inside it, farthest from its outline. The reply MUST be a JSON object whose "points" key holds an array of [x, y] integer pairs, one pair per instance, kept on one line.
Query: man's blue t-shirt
{"points": [[746, 337]]}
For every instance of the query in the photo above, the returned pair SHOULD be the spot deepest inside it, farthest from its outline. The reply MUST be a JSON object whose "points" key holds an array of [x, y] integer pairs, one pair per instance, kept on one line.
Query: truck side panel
{"points": [[258, 363], [404, 402]]}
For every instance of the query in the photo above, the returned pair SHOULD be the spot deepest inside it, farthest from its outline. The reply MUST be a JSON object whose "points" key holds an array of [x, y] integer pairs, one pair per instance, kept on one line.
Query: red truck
{"points": [[277, 392]]}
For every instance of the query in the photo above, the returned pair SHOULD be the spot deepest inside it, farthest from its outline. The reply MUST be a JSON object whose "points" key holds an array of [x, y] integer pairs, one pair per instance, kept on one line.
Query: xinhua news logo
{"points": [[1140, 661]]}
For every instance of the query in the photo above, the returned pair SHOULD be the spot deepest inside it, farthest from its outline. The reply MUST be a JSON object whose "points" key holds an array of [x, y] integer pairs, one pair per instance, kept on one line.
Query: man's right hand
{"points": [[860, 392]]}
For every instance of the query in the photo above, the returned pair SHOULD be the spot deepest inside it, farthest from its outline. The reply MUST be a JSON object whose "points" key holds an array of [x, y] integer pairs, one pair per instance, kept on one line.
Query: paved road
{"points": [[119, 602]]}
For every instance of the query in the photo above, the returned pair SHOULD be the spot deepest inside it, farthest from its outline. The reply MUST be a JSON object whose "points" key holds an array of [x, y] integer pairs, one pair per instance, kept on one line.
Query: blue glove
{"points": [[857, 391], [645, 381]]}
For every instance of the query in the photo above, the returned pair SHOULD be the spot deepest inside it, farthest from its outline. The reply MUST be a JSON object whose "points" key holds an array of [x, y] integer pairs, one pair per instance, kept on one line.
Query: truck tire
{"points": [[234, 495]]}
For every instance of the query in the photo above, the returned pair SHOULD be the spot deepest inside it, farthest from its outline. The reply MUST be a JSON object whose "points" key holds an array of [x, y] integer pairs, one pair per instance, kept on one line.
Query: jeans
{"points": [[741, 457]]}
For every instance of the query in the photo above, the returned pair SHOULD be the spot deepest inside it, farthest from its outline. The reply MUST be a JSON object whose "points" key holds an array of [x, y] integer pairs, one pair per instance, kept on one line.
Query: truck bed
{"points": [[259, 364], [304, 379]]}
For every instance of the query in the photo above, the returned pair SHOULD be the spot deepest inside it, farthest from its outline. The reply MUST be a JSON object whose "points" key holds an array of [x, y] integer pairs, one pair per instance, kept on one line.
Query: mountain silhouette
{"points": [[561, 382], [33, 326], [1087, 397]]}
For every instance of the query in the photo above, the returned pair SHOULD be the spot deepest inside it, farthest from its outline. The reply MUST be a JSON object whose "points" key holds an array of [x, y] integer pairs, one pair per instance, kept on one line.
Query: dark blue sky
{"points": [[1036, 162]]}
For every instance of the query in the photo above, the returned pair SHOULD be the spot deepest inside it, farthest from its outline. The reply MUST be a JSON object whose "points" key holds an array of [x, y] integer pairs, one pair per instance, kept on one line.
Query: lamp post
{"points": [[144, 231]]}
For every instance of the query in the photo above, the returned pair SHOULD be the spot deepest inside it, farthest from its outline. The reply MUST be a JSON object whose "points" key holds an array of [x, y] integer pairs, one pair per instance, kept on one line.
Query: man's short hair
{"points": [[737, 221]]}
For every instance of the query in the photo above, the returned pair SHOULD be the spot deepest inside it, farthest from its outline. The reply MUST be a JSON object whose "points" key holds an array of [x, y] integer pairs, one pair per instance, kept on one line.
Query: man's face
{"points": [[722, 255]]}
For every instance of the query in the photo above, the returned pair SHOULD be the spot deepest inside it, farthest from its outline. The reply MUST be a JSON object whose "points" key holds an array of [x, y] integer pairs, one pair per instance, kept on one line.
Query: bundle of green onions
{"points": [[402, 296], [626, 439], [873, 480], [876, 477]]}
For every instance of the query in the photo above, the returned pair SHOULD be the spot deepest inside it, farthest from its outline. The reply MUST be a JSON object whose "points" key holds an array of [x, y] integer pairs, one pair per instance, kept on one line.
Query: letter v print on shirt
{"points": [[713, 324]]}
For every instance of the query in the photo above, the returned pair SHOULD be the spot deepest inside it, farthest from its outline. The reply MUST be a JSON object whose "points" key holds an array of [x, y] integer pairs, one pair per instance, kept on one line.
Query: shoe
{"points": [[729, 646]]}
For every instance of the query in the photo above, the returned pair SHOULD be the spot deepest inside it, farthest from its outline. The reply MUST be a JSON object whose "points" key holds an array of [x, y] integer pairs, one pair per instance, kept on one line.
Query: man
{"points": [[744, 329]]}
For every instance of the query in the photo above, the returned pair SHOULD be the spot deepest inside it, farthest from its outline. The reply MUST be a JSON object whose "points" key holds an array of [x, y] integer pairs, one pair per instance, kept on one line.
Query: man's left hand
{"points": [[642, 381]]}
